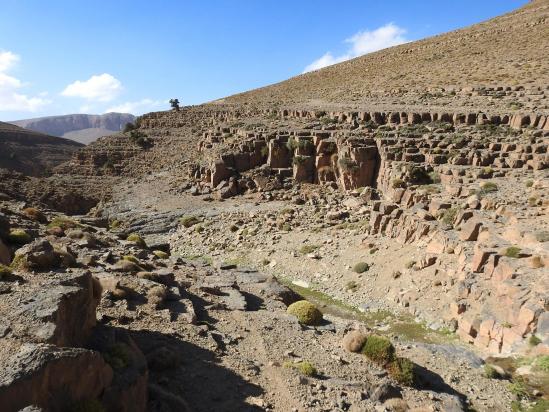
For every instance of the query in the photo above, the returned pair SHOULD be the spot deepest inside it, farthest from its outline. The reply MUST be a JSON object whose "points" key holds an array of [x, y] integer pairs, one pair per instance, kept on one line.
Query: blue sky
{"points": [[72, 56]]}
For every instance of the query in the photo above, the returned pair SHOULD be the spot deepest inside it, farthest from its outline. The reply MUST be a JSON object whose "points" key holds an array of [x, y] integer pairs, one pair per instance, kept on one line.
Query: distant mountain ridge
{"points": [[82, 128]]}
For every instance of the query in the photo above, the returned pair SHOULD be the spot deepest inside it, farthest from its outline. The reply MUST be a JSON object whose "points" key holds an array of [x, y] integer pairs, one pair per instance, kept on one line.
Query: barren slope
{"points": [[449, 70], [30, 152]]}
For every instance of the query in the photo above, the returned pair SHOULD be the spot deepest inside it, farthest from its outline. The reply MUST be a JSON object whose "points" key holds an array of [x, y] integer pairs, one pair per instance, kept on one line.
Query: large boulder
{"points": [[52, 378], [38, 255]]}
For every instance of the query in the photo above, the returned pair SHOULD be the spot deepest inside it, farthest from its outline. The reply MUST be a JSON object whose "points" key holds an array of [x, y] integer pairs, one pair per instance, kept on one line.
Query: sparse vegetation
{"points": [[306, 249], [129, 127], [305, 367], [534, 340], [87, 405], [379, 349], [4, 271], [64, 223], [542, 363], [512, 252], [347, 164], [299, 160], [131, 258], [188, 221], [403, 371], [19, 237], [488, 187], [174, 103], [160, 254], [138, 240], [449, 216], [305, 312], [398, 183], [490, 372], [118, 356]]}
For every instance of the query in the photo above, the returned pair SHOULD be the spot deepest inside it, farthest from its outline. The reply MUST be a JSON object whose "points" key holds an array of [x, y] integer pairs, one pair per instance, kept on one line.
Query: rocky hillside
{"points": [[32, 153], [373, 236], [492, 66], [82, 128]]}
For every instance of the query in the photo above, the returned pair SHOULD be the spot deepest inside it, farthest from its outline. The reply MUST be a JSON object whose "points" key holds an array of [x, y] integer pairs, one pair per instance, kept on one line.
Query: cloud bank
{"points": [[100, 88], [11, 99], [138, 107], [361, 43]]}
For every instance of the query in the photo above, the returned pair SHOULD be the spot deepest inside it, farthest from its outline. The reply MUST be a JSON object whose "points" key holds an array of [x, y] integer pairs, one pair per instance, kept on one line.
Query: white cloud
{"points": [[7, 60], [10, 97], [137, 107], [362, 43], [102, 88]]}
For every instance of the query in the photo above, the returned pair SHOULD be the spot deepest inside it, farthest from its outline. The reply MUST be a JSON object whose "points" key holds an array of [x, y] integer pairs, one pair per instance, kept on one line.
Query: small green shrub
{"points": [[305, 312], [379, 349], [512, 252], [160, 254], [306, 368], [19, 262], [64, 223], [542, 363], [402, 370], [4, 271], [490, 372], [265, 151], [488, 187], [135, 238], [87, 405], [518, 388], [418, 175], [299, 160], [114, 224], [188, 221], [361, 267], [529, 183], [118, 356], [449, 216], [306, 249], [233, 228], [19, 237], [131, 258], [397, 183], [347, 164], [534, 340]]}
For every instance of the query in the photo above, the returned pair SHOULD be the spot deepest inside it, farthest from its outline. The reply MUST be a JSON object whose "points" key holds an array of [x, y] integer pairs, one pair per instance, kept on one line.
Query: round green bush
{"points": [[402, 370], [19, 237], [305, 312], [138, 240], [361, 267], [306, 368], [379, 349]]}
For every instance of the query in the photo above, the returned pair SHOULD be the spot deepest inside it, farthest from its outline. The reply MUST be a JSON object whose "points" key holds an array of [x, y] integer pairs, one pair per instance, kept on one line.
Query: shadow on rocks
{"points": [[429, 380], [183, 376]]}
